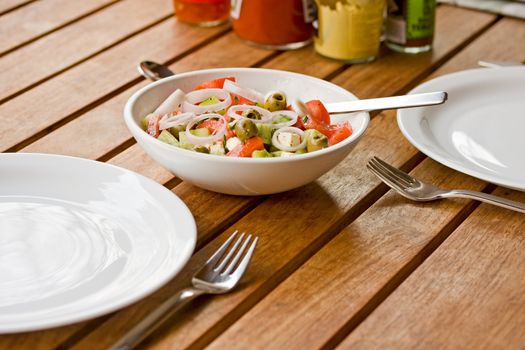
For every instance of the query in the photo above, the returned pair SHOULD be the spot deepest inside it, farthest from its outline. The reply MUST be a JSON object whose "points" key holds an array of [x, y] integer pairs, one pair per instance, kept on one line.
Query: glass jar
{"points": [[205, 13], [349, 30], [410, 25], [274, 24]]}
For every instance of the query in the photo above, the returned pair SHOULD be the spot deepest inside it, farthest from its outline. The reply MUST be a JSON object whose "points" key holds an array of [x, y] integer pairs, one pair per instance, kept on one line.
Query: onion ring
{"points": [[279, 145], [198, 96], [197, 140], [266, 114], [247, 93], [169, 120], [171, 104], [288, 114]]}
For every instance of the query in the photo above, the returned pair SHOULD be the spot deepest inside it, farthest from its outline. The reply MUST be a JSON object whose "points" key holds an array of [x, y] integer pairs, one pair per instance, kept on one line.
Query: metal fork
{"points": [[215, 277], [412, 188]]}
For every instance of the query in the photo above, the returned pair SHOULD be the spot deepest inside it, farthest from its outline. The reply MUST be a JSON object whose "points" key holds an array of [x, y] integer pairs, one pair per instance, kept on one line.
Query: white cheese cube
{"points": [[289, 139], [217, 148], [233, 142]]}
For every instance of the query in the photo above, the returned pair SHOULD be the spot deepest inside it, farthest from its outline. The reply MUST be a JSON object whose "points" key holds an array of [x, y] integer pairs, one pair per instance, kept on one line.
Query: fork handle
{"points": [[487, 198], [151, 322]]}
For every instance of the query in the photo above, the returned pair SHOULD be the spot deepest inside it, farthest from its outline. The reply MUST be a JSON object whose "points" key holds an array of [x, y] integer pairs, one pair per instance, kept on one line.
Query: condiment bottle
{"points": [[410, 25], [349, 30], [274, 24], [205, 13]]}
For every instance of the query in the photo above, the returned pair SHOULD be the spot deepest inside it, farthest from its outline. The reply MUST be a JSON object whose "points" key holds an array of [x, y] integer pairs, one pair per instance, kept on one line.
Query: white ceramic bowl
{"points": [[244, 176]]}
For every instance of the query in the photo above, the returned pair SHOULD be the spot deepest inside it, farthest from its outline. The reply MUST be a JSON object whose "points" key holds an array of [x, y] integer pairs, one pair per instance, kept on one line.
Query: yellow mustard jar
{"points": [[349, 30]]}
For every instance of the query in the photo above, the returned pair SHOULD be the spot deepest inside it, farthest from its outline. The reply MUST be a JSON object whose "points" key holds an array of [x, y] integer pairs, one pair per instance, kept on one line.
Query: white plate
{"points": [[80, 238], [480, 130]]}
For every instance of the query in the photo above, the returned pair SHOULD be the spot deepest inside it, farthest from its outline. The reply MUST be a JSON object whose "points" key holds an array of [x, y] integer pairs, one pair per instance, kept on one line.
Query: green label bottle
{"points": [[410, 25]]}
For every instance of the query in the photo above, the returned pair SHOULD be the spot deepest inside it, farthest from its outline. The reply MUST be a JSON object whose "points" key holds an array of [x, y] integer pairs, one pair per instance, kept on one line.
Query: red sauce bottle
{"points": [[205, 13], [274, 24]]}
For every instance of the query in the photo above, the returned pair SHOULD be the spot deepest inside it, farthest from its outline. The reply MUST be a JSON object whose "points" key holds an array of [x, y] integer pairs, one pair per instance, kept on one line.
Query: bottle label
{"points": [[309, 11], [420, 19], [235, 10], [396, 30]]}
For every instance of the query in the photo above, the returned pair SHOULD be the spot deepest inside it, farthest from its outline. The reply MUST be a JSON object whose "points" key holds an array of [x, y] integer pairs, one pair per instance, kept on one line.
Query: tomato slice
{"points": [[239, 100], [317, 112], [153, 126], [339, 132], [212, 124], [252, 144], [214, 84]]}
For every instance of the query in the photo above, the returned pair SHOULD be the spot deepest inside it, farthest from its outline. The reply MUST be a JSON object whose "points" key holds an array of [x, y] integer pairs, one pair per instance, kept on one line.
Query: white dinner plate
{"points": [[480, 130], [80, 238]]}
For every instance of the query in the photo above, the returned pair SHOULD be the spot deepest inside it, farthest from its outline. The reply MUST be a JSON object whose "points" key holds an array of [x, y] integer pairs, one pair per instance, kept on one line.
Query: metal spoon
{"points": [[155, 71]]}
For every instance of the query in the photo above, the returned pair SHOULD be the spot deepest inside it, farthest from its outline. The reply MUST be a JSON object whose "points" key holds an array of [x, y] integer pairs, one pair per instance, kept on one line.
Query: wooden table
{"points": [[342, 262]]}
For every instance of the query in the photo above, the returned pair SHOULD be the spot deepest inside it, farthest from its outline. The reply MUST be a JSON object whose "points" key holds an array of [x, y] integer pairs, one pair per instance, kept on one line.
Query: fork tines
{"points": [[393, 177], [228, 260]]}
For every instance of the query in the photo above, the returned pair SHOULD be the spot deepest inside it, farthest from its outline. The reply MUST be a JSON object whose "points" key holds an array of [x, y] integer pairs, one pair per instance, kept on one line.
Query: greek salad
{"points": [[221, 117]]}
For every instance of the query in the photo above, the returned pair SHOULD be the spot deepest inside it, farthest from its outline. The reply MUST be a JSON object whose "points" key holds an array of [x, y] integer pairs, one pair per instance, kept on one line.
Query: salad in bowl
{"points": [[240, 131], [221, 117]]}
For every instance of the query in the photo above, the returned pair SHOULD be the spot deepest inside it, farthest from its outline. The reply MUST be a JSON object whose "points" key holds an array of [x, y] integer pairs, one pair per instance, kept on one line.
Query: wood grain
{"points": [[357, 269], [95, 91], [37, 19], [484, 47], [304, 61], [330, 198], [335, 285], [134, 158], [467, 294], [335, 201], [102, 129], [70, 45], [93, 80], [8, 5]]}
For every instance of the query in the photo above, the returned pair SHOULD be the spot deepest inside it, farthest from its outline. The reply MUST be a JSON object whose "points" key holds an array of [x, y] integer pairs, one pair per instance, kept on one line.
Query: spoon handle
{"points": [[394, 102]]}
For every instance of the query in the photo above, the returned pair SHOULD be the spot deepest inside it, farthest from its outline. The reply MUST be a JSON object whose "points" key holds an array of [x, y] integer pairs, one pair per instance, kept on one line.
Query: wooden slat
{"points": [[41, 340], [103, 128], [80, 86], [504, 42], [7, 5], [41, 17], [43, 58], [334, 290], [468, 294], [134, 158], [304, 61], [277, 251], [318, 209]]}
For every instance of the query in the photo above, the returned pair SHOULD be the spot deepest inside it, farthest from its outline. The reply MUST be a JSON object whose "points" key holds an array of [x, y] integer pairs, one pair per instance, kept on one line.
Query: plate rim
{"points": [[403, 120], [145, 291]]}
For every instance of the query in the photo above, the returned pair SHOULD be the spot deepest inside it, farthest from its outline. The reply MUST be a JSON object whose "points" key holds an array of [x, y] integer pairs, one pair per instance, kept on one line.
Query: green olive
{"points": [[252, 114], [275, 101], [201, 149], [315, 140], [244, 129]]}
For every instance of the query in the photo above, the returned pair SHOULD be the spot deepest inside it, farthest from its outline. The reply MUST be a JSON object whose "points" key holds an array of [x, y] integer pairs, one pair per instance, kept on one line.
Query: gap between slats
{"points": [[349, 217], [57, 28], [105, 98], [15, 7], [85, 59]]}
